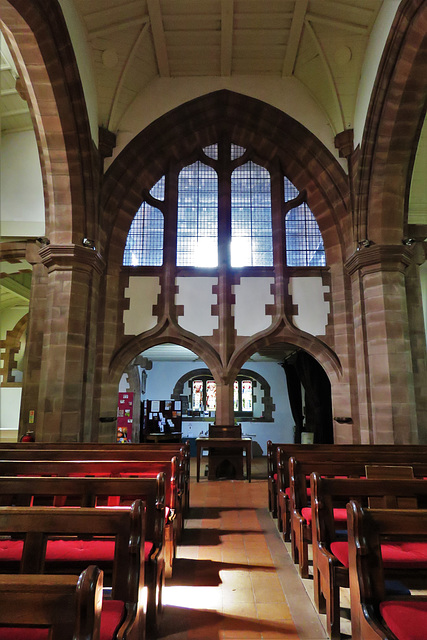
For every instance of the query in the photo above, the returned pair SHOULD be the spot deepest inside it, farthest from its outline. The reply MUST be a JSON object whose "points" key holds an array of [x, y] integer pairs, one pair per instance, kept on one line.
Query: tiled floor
{"points": [[233, 576]]}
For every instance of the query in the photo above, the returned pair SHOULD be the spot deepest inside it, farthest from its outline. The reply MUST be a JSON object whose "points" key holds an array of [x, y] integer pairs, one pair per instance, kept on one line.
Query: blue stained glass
{"points": [[251, 217], [197, 229], [304, 243]]}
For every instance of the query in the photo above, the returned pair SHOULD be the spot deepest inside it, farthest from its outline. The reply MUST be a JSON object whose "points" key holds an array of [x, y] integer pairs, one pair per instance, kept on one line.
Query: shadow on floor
{"points": [[212, 537], [210, 625], [205, 573]]}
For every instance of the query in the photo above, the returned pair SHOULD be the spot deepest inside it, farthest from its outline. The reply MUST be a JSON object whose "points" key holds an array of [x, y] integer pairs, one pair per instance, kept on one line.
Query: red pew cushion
{"points": [[406, 619], [407, 554], [11, 550], [288, 492], [111, 617], [340, 515], [90, 551]]}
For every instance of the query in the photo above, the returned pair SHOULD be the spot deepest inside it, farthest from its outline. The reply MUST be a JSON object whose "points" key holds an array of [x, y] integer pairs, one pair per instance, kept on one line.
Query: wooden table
{"points": [[244, 444]]}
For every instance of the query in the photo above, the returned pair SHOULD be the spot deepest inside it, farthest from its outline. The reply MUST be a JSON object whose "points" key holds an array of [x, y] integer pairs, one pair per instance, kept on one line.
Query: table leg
{"points": [[198, 463]]}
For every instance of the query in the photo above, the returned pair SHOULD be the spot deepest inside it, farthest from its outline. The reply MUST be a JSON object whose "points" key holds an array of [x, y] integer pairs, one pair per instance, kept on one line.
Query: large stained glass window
{"points": [[144, 244], [197, 228], [304, 244], [251, 231]]}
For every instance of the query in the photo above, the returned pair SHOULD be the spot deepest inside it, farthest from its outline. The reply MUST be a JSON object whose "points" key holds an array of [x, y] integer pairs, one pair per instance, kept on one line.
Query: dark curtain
{"points": [[318, 401], [295, 397]]}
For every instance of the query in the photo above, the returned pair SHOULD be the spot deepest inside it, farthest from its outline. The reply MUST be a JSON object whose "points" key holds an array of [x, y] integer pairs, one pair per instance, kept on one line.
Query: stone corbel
{"points": [[72, 257], [375, 257]]}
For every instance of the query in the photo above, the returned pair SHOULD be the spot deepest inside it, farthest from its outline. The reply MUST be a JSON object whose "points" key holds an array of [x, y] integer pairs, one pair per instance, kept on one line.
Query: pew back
{"points": [[69, 606]]}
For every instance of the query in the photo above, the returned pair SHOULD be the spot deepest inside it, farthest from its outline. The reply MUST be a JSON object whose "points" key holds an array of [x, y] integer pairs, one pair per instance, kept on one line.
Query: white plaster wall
{"points": [[308, 294], [251, 296], [22, 211], [10, 405], [161, 380], [163, 94], [374, 50], [142, 293], [197, 297], [83, 55]]}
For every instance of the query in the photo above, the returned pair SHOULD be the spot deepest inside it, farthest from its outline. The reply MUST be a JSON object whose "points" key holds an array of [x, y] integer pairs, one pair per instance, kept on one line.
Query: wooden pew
{"points": [[114, 468], [375, 615], [382, 454], [116, 451], [69, 607], [299, 471], [328, 494], [21, 490], [119, 537]]}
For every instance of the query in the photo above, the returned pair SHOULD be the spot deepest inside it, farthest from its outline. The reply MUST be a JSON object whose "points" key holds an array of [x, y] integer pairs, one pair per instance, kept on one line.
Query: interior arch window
{"points": [[144, 244], [197, 228], [304, 243], [251, 230]]}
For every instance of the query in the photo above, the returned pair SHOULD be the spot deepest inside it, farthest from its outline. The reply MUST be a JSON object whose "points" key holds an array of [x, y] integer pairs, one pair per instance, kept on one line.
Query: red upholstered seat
{"points": [[11, 550], [288, 492], [340, 515], [406, 554], [112, 615], [407, 619], [90, 551], [275, 477]]}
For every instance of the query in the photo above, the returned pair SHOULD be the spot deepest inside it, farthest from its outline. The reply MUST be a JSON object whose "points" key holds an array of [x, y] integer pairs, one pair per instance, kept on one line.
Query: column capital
{"points": [[379, 257], [71, 257]]}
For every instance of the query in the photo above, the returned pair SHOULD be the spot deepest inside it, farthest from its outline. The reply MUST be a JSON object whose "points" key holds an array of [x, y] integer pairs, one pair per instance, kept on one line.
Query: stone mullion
{"points": [[226, 332], [34, 347], [168, 277], [225, 300], [283, 301], [384, 323]]}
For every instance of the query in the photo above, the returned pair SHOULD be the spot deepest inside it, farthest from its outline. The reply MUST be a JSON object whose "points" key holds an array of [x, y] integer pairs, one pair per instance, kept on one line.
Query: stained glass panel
{"points": [[246, 395], [197, 395], [304, 243], [210, 395], [251, 230], [197, 232]]}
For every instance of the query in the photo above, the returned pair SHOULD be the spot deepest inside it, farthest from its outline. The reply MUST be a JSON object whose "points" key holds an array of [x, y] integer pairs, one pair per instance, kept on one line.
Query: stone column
{"points": [[418, 339], [224, 414], [34, 345], [66, 379], [383, 350]]}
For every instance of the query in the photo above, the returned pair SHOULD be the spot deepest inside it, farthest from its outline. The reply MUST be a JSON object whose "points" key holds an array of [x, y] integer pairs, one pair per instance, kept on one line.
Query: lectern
{"points": [[225, 462]]}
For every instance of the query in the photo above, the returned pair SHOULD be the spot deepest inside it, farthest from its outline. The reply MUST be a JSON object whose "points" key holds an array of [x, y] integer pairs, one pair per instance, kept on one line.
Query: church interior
{"points": [[214, 212]]}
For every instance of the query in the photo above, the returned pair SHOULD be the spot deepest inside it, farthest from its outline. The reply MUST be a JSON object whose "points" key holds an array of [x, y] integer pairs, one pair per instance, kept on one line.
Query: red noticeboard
{"points": [[125, 417]]}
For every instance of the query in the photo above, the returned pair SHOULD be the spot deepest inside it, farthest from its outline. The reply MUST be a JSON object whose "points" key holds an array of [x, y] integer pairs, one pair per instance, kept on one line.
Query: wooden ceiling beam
{"points": [[227, 18], [297, 26], [117, 26], [338, 24], [159, 38]]}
